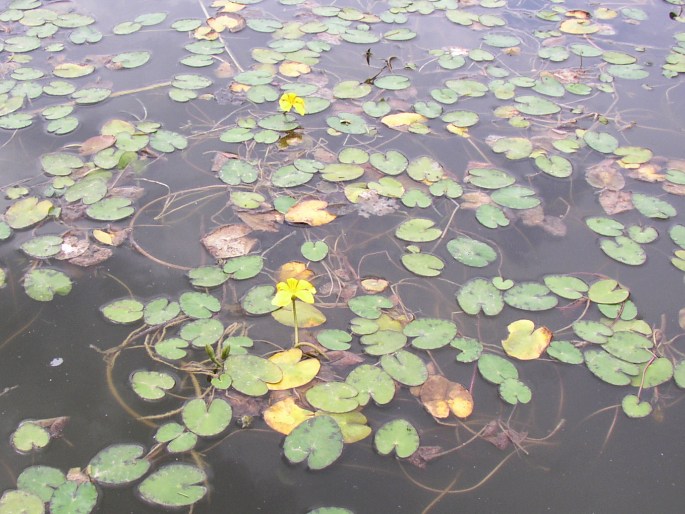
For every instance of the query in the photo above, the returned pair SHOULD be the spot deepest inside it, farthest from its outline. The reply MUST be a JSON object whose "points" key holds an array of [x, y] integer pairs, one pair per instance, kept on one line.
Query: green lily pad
{"points": [[390, 163], [42, 247], [369, 306], [371, 382], [405, 367], [642, 235], [535, 106], [399, 436], [250, 374], [234, 172], [172, 349], [29, 436], [334, 339], [592, 331], [199, 305], [515, 197], [43, 284], [496, 369], [470, 349], [565, 351], [160, 310], [609, 368], [653, 207], [258, 300], [600, 141], [207, 420], [607, 291], [348, 123], [20, 502], [634, 408], [491, 216], [338, 172], [314, 251], [624, 250], [430, 333], [571, 288], [244, 267], [555, 166], [679, 374], [383, 342], [207, 276], [351, 89], [513, 391], [174, 485], [202, 332], [654, 373], [629, 346], [480, 294], [335, 397], [417, 230], [74, 498], [471, 252], [423, 264], [41, 481], [317, 440], [605, 226], [151, 385], [110, 209], [123, 311], [167, 141], [530, 296], [118, 464]]}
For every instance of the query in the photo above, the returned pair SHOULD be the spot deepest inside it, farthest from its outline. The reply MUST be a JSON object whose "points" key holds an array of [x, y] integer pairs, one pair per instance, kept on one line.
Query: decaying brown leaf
{"points": [[229, 241], [94, 255], [72, 247], [441, 396], [95, 144], [294, 269], [604, 175], [614, 202], [269, 221]]}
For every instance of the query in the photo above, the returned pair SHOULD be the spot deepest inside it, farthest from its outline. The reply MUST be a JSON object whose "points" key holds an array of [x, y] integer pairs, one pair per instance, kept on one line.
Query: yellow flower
{"points": [[291, 100], [292, 289]]}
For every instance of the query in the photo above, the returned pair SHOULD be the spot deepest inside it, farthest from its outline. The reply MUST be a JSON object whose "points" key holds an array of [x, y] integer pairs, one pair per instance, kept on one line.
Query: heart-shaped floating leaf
{"points": [[513, 391], [623, 249], [314, 251], [480, 294], [175, 485], [308, 315], [654, 373], [369, 306], [244, 267], [42, 247], [417, 230], [530, 296], [43, 284], [353, 425], [607, 291], [336, 397], [118, 464], [207, 276], [383, 342], [634, 408], [258, 300], [74, 498], [441, 397], [160, 310], [571, 288], [405, 367], [470, 348], [471, 252], [21, 502], [151, 385], [41, 481], [398, 435], [127, 310], [199, 305], [202, 332], [629, 346], [317, 440], [110, 209], [296, 372], [204, 420], [430, 333], [496, 369], [525, 342], [565, 351], [423, 264], [334, 339], [610, 369], [285, 415], [371, 382], [592, 331], [29, 436], [27, 212], [250, 374]]}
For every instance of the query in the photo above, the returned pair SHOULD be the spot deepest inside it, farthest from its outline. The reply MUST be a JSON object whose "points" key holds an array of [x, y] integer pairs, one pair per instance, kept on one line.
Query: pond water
{"points": [[486, 196]]}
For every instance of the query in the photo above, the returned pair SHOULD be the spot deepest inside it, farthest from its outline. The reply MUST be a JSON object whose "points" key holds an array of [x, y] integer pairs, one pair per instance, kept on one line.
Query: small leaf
{"points": [[317, 440], [524, 341], [399, 436]]}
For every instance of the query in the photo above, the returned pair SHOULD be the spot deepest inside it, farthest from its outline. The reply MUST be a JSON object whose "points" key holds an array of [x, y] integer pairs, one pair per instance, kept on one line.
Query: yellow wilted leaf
{"points": [[403, 119], [441, 396], [578, 26], [523, 342], [296, 372], [284, 416], [293, 69], [310, 212], [232, 22], [460, 131], [205, 33], [352, 425], [648, 173], [237, 87], [228, 6], [308, 316], [294, 269], [374, 285], [604, 13], [102, 236]]}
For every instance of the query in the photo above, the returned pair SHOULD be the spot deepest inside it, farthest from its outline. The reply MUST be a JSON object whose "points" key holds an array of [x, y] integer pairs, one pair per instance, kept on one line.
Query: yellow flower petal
{"points": [[293, 289], [282, 299], [298, 104]]}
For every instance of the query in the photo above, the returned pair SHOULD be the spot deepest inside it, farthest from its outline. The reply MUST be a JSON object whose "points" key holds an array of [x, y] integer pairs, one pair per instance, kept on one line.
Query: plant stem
{"points": [[297, 336]]}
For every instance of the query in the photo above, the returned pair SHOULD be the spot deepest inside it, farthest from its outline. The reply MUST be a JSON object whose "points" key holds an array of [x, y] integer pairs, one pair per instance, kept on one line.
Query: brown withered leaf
{"points": [[130, 192], [474, 200], [604, 175], [294, 269], [424, 455], [648, 173], [94, 255], [244, 405], [72, 247], [614, 202], [343, 358], [441, 396], [674, 189], [229, 241], [374, 285], [95, 144], [269, 221]]}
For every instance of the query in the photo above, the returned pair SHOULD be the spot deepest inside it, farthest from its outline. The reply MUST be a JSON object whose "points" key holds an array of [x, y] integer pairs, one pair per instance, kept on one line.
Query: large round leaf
{"points": [[118, 464], [175, 485], [317, 440]]}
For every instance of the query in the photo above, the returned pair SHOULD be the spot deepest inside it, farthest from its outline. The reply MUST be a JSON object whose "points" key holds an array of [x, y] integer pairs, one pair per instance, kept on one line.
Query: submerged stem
{"points": [[297, 336]]}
